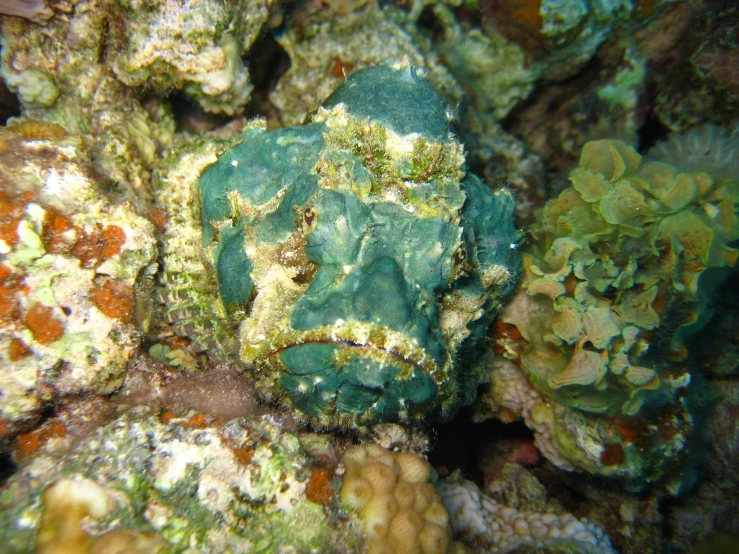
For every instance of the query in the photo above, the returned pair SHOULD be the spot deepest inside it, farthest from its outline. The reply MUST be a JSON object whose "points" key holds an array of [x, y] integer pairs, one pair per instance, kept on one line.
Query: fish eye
{"points": [[459, 262], [309, 215]]}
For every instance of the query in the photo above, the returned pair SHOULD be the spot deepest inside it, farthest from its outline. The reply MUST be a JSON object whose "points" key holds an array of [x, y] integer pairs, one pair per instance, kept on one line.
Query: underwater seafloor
{"points": [[353, 276]]}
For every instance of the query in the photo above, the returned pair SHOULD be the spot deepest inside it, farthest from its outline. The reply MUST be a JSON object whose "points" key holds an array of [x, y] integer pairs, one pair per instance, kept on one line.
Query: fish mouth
{"points": [[353, 367], [363, 337], [370, 351]]}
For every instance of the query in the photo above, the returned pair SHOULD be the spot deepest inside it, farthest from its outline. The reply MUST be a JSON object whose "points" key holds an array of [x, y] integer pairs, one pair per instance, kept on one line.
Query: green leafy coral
{"points": [[617, 275]]}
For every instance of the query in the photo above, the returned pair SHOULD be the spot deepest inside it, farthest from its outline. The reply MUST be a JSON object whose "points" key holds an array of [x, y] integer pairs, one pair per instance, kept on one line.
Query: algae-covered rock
{"points": [[354, 254], [323, 50], [69, 263], [198, 49], [240, 487], [61, 74], [634, 451]]}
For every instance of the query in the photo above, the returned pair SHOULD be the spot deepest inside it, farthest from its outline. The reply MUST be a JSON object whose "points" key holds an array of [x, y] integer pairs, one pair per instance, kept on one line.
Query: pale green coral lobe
{"points": [[356, 256]]}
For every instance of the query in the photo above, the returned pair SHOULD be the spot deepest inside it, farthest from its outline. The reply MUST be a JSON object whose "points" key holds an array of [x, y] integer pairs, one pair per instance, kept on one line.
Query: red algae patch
{"points": [[612, 454], [8, 305], [114, 299], [94, 248], [319, 489], [29, 443], [244, 455], [17, 350], [54, 226], [10, 215], [41, 322], [157, 218], [113, 239]]}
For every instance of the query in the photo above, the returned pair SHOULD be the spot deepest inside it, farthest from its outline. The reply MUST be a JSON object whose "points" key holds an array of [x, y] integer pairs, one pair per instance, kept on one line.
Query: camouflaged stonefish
{"points": [[357, 263]]}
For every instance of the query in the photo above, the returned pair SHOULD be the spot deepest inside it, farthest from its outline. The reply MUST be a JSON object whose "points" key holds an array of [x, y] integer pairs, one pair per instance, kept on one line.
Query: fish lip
{"points": [[352, 345], [360, 336]]}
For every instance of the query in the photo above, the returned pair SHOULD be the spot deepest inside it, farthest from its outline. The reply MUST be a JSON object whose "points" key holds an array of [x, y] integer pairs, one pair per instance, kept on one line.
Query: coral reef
{"points": [[35, 10], [622, 263], [305, 230], [66, 503], [493, 71], [69, 263], [622, 448], [613, 95], [713, 505], [561, 36], [616, 276], [233, 247], [100, 84], [198, 50], [322, 51], [74, 87], [239, 486], [699, 81], [220, 392]]}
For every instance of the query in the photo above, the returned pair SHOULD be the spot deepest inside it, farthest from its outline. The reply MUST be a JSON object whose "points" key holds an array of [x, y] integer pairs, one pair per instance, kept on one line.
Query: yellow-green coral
{"points": [[613, 280]]}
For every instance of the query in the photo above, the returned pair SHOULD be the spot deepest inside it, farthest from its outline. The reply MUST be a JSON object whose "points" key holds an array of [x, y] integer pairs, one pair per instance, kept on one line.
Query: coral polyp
{"points": [[353, 256]]}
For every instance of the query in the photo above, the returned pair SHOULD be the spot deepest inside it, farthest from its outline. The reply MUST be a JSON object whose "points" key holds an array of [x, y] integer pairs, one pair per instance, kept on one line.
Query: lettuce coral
{"points": [[617, 273]]}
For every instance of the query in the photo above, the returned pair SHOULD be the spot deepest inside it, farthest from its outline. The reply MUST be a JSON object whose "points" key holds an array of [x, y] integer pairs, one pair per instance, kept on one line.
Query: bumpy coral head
{"points": [[355, 255]]}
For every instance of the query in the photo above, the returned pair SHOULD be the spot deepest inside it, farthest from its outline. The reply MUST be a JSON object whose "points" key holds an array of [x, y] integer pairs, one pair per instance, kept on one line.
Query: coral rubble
{"points": [[238, 487]]}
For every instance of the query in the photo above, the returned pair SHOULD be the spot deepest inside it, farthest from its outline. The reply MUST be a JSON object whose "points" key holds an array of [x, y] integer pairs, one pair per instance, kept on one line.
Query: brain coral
{"points": [[617, 275], [400, 510], [353, 254]]}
